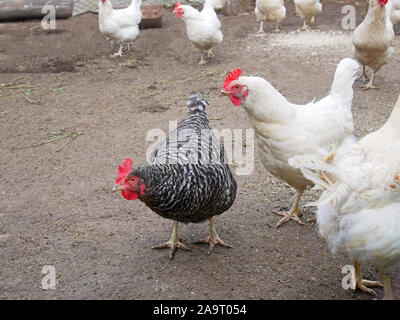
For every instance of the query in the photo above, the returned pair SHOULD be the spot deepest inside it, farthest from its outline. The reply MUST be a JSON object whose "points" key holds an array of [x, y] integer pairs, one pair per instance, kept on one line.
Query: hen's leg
{"points": [[119, 53], [277, 28], [312, 21], [304, 27], [293, 213], [210, 53], [370, 84], [202, 61], [364, 75], [364, 284], [387, 285], [261, 30], [173, 243], [213, 238]]}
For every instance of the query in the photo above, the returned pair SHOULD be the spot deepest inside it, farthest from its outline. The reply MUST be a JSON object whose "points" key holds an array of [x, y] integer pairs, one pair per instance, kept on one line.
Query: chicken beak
{"points": [[225, 93], [118, 187]]}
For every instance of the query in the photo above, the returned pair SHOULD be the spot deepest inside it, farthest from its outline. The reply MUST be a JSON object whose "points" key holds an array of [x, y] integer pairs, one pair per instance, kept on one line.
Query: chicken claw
{"points": [[293, 213], [118, 54], [213, 238], [173, 243], [362, 284], [202, 61]]}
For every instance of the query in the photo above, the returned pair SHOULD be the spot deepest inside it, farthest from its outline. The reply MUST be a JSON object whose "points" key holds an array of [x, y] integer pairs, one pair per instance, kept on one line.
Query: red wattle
{"points": [[130, 195], [236, 101]]}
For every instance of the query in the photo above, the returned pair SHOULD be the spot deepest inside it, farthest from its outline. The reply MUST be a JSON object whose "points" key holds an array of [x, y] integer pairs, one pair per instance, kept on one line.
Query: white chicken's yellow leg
{"points": [[276, 28], [261, 30], [293, 213], [370, 84], [202, 61], [210, 53], [304, 27], [362, 284], [312, 21], [387, 285], [213, 238], [119, 53], [173, 243]]}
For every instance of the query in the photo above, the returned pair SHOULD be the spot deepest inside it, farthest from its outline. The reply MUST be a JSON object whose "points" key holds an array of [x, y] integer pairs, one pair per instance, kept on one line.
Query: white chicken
{"points": [[219, 4], [308, 9], [359, 211], [121, 24], [372, 39], [270, 11], [395, 14], [283, 130], [202, 28]]}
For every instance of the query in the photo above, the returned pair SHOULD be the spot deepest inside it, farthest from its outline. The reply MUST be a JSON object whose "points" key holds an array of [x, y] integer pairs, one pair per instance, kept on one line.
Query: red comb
{"points": [[234, 75], [124, 171], [177, 5]]}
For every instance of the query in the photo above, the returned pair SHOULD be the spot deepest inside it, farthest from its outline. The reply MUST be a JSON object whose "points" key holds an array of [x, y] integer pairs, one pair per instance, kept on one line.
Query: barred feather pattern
{"points": [[181, 182], [193, 140], [188, 192]]}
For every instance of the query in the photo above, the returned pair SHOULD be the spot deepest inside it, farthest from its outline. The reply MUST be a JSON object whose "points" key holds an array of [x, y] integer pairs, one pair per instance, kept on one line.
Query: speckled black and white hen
{"points": [[187, 179]]}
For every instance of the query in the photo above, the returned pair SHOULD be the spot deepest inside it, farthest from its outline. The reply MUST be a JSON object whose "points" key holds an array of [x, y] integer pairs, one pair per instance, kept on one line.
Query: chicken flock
{"points": [[188, 179]]}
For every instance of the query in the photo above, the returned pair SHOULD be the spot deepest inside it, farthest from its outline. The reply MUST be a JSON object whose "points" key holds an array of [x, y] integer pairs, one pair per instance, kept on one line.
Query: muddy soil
{"points": [[56, 204]]}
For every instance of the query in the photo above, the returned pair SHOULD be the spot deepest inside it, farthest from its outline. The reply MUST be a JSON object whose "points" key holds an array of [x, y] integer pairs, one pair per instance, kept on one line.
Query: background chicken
{"points": [[187, 179], [283, 129], [395, 14], [359, 211], [308, 9], [202, 28], [270, 11], [372, 40], [122, 24]]}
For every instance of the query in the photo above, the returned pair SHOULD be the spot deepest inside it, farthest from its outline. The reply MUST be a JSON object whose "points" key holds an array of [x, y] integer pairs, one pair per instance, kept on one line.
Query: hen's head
{"points": [[233, 88], [130, 185], [179, 10]]}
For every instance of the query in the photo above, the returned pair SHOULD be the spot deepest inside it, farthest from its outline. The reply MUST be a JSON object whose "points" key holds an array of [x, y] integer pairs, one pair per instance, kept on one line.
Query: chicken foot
{"points": [[261, 30], [362, 284], [305, 26], [293, 213], [172, 243], [276, 30], [119, 53], [213, 238], [370, 84], [202, 61], [210, 53]]}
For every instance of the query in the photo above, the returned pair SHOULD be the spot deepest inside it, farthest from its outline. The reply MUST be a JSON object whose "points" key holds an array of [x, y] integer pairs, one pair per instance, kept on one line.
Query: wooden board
{"points": [[151, 17], [25, 9]]}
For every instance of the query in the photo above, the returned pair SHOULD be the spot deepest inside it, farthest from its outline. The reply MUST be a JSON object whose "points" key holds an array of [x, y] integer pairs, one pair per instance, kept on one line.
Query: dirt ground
{"points": [[56, 204]]}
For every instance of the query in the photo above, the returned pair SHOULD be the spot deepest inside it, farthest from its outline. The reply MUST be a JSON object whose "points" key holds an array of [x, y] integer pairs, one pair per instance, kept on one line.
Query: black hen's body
{"points": [[188, 179], [188, 192]]}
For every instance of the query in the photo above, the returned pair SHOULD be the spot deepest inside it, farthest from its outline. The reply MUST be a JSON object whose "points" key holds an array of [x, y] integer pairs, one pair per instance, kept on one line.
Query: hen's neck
{"points": [[264, 103], [376, 14]]}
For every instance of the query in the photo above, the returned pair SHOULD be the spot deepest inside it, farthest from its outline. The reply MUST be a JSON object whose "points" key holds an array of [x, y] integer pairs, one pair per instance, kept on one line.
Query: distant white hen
{"points": [[270, 11], [121, 24], [359, 211], [308, 9], [202, 28]]}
